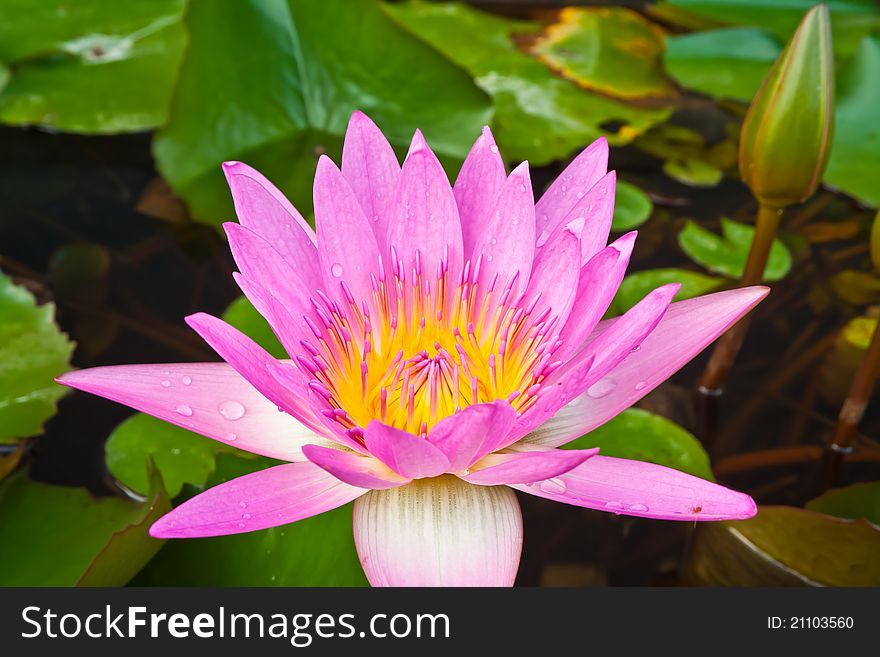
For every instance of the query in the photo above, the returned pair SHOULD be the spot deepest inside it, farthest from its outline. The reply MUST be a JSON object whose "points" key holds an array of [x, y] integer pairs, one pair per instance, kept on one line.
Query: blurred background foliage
{"points": [[117, 116]]}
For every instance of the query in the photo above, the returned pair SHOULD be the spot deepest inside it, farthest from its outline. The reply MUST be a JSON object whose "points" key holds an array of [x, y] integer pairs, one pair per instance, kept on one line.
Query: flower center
{"points": [[421, 348]]}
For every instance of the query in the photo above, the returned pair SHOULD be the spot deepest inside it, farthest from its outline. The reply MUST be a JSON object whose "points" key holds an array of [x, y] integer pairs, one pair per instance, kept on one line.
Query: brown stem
{"points": [[728, 346], [750, 461]]}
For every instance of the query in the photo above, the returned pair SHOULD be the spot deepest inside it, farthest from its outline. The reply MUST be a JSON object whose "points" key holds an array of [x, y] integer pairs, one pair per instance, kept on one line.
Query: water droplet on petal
{"points": [[617, 507], [246, 516], [641, 385], [638, 508], [494, 241], [184, 410], [542, 238], [336, 269], [242, 504], [553, 486], [493, 148], [601, 388], [231, 437], [231, 410], [166, 383], [186, 380]]}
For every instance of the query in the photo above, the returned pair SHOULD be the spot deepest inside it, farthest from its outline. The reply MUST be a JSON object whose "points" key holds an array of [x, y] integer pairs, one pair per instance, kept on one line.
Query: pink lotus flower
{"points": [[443, 343]]}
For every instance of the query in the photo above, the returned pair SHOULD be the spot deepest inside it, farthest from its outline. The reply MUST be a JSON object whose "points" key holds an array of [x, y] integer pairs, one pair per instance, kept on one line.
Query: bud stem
{"points": [[728, 346]]}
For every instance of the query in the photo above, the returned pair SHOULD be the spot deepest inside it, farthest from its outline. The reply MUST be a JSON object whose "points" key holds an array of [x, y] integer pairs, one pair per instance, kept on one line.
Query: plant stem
{"points": [[854, 405], [728, 346]]}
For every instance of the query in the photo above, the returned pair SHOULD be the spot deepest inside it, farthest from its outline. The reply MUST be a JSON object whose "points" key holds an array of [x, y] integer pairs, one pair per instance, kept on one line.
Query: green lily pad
{"points": [[538, 115], [851, 20], [784, 546], [612, 50], [286, 97], [694, 173], [727, 254], [854, 165], [242, 315], [32, 353], [96, 67], [854, 502], [726, 63], [632, 207], [183, 457], [636, 285], [642, 436], [317, 551], [60, 536]]}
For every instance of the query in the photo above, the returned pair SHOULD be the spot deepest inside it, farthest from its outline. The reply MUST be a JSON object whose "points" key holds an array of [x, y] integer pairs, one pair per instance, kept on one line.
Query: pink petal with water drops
{"points": [[560, 198], [252, 361], [479, 180], [371, 168], [268, 498], [526, 467], [408, 455], [686, 329], [265, 210], [209, 398], [555, 273], [424, 217], [439, 532], [598, 283], [597, 209], [346, 242], [505, 237], [647, 490], [473, 432], [354, 469]]}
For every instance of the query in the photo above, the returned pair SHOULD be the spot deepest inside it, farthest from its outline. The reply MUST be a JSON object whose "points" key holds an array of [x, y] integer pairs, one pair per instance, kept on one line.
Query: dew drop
{"points": [[184, 410], [175, 451], [231, 410], [542, 238], [166, 383], [616, 507], [186, 380], [638, 508], [493, 148], [553, 486], [601, 388], [336, 269], [641, 385], [242, 504], [231, 437], [494, 241], [241, 525], [246, 516]]}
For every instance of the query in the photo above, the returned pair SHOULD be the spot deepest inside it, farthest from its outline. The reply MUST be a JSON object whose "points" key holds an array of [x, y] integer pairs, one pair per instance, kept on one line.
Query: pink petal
{"points": [[526, 467], [209, 398], [408, 455], [424, 217], [371, 168], [642, 489], [597, 285], [579, 177], [556, 271], [346, 242], [505, 236], [478, 182], [439, 532], [597, 210], [470, 434], [268, 498], [263, 267], [265, 210], [252, 361], [361, 471], [686, 329]]}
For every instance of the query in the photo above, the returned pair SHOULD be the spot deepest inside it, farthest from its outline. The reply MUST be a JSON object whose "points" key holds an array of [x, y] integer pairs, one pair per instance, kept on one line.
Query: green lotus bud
{"points": [[786, 135]]}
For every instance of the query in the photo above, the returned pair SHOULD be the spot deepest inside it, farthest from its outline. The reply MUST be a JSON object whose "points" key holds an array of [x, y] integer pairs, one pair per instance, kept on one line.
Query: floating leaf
{"points": [[317, 551], [632, 207], [32, 353], [612, 50], [725, 63], [53, 535], [183, 457], [853, 502], [538, 116], [856, 287], [727, 254], [784, 546], [643, 436], [693, 172], [287, 97], [98, 67], [854, 165], [851, 19], [242, 315], [636, 285]]}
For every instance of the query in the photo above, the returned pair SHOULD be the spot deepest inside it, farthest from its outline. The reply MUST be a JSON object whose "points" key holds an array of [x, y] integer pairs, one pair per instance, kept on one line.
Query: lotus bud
{"points": [[786, 135]]}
